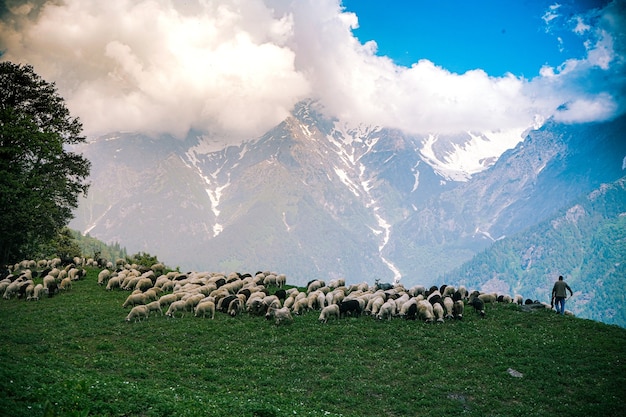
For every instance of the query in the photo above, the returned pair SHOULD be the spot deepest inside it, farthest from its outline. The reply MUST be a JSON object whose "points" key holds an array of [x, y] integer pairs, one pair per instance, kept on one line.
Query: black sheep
{"points": [[351, 307], [479, 305]]}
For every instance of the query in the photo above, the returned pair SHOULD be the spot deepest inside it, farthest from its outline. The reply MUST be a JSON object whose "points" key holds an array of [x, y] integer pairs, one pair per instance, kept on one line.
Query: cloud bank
{"points": [[236, 68]]}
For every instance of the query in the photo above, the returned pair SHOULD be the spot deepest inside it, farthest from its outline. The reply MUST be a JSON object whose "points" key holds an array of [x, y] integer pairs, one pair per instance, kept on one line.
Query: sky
{"points": [[235, 68]]}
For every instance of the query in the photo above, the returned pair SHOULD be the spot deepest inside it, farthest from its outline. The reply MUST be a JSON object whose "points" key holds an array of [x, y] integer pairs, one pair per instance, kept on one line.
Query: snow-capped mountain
{"points": [[314, 198]]}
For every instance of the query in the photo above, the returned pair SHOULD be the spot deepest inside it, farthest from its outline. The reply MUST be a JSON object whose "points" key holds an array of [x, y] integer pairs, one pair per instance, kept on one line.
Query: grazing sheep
{"points": [[449, 305], [300, 306], [404, 310], [350, 307], [137, 313], [438, 312], [134, 299], [48, 280], [280, 315], [114, 282], [328, 312], [425, 311], [11, 289], [205, 307], [38, 292], [458, 308], [234, 307], [167, 299], [154, 306], [179, 305], [488, 298], [518, 299], [103, 277], [478, 304], [387, 310], [66, 284]]}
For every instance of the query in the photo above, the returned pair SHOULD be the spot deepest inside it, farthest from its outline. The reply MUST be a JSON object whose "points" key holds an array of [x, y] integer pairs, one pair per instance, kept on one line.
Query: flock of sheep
{"points": [[201, 294], [19, 280], [175, 294]]}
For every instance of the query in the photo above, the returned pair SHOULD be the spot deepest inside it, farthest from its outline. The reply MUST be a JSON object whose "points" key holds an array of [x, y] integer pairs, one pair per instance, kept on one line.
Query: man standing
{"points": [[559, 293]]}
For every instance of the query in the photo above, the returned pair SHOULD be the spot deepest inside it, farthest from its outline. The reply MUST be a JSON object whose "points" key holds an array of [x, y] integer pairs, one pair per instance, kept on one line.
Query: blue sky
{"points": [[234, 69], [461, 35]]}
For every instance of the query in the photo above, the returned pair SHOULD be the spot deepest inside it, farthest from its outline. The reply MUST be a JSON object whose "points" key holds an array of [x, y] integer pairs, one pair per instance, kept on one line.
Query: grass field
{"points": [[74, 355]]}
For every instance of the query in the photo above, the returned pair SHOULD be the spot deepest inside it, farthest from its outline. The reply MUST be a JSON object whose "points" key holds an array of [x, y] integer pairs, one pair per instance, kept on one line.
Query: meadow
{"points": [[75, 355]]}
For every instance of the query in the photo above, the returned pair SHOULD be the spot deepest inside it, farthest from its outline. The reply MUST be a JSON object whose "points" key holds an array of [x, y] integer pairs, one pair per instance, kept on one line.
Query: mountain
{"points": [[314, 198], [551, 168], [585, 241]]}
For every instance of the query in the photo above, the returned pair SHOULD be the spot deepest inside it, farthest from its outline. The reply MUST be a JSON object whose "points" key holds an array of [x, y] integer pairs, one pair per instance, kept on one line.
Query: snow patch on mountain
{"points": [[474, 155]]}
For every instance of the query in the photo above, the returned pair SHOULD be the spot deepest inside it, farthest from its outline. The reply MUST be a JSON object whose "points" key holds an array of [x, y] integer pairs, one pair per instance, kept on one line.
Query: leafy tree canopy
{"points": [[40, 179]]}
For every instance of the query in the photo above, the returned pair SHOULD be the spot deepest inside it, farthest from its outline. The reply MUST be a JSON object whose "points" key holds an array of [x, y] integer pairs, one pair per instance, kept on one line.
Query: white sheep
{"points": [[179, 305], [448, 303], [38, 292], [154, 306], [103, 276], [66, 284], [205, 307], [425, 311], [137, 313], [134, 299], [438, 312], [280, 315], [114, 282], [167, 299], [387, 310], [48, 280], [328, 312]]}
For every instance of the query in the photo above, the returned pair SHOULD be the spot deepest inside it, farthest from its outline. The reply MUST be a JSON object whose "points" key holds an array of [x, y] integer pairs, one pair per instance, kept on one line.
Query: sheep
{"points": [[66, 284], [234, 307], [137, 313], [143, 284], [300, 306], [488, 298], [280, 315], [205, 307], [404, 310], [48, 280], [154, 306], [350, 307], [103, 276], [438, 312], [167, 299], [449, 305], [518, 299], [30, 291], [328, 312], [179, 305], [425, 311], [11, 290], [38, 292], [377, 303], [114, 282], [457, 309], [387, 310], [478, 304], [134, 299]]}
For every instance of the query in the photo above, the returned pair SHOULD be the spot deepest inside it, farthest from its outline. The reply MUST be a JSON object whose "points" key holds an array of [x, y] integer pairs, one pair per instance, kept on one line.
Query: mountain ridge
{"points": [[317, 199]]}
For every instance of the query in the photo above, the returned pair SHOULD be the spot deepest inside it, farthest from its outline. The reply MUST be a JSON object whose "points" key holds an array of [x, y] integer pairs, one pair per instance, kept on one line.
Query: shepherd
{"points": [[559, 294]]}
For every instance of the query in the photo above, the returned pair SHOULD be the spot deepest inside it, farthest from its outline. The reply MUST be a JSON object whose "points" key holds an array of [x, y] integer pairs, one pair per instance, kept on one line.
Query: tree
{"points": [[40, 178]]}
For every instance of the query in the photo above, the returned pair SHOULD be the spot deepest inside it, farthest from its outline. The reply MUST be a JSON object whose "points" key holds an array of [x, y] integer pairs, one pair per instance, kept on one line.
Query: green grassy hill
{"points": [[74, 354]]}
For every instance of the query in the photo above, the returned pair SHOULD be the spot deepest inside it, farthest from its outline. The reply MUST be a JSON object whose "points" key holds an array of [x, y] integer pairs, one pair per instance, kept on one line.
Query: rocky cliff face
{"points": [[315, 199]]}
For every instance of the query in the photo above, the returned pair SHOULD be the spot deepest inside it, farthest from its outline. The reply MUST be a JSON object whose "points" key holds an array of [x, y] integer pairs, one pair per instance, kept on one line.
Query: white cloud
{"points": [[236, 67]]}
